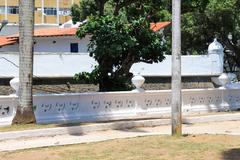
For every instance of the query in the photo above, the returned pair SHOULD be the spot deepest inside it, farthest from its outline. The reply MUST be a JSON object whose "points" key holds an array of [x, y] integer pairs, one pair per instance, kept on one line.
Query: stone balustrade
{"points": [[8, 105], [103, 106]]}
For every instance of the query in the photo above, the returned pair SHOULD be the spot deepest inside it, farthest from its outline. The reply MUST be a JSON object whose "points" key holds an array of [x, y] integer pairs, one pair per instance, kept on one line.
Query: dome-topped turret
{"points": [[215, 47]]}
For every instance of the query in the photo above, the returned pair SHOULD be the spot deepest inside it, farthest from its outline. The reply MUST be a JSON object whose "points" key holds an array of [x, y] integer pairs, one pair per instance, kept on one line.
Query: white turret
{"points": [[215, 47]]}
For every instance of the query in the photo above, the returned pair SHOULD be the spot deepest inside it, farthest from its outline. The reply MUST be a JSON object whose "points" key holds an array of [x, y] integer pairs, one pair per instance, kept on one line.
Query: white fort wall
{"points": [[48, 64], [54, 60], [68, 64], [191, 65], [102, 106]]}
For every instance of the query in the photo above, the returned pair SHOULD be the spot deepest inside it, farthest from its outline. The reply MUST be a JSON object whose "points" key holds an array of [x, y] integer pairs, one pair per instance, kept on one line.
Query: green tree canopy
{"points": [[120, 36], [202, 21]]}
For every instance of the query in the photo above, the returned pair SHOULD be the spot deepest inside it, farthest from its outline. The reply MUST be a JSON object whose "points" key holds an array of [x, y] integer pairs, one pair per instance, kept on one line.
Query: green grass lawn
{"points": [[200, 147]]}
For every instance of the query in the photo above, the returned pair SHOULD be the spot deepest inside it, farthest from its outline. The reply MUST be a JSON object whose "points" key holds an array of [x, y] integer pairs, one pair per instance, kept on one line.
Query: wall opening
{"points": [[74, 47]]}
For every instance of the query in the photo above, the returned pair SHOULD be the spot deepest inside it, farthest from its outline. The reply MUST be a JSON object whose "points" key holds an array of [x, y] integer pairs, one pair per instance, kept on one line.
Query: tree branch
{"points": [[120, 5], [101, 5]]}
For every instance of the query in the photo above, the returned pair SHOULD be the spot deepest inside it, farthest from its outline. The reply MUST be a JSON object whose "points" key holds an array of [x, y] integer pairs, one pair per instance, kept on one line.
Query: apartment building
{"points": [[46, 11]]}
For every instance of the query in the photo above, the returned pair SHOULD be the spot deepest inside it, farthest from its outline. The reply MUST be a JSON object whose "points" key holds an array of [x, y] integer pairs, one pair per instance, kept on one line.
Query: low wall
{"points": [[191, 65], [103, 106], [8, 106], [47, 64]]}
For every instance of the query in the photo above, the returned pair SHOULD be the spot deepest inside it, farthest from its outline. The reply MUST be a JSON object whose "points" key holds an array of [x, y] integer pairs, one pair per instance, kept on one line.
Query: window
{"points": [[64, 12], [2, 9], [13, 10], [50, 11], [53, 11], [74, 47]]}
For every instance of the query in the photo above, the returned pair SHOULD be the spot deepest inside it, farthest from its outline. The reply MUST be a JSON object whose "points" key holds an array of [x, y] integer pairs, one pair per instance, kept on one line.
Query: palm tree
{"points": [[25, 112], [176, 69]]}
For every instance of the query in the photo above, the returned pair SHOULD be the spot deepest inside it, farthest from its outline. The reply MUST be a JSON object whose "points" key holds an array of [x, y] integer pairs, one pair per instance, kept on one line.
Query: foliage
{"points": [[204, 20], [89, 78], [120, 36]]}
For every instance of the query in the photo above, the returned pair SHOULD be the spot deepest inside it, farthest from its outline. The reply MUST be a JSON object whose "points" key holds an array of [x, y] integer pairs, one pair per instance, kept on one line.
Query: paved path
{"points": [[226, 127]]}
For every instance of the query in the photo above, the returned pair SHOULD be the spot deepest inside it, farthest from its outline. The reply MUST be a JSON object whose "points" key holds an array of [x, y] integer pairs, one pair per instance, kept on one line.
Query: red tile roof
{"points": [[7, 41], [46, 32], [52, 32], [159, 25]]}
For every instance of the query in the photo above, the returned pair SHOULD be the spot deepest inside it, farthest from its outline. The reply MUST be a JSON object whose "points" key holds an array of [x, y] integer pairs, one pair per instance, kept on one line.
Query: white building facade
{"points": [[55, 44]]}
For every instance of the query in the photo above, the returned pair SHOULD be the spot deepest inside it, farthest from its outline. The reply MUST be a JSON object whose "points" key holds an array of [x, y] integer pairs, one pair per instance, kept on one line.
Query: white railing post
{"points": [[138, 81], [14, 83]]}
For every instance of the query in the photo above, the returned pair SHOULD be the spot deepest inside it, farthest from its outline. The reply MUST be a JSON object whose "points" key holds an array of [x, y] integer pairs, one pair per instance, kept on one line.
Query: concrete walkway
{"points": [[230, 126]]}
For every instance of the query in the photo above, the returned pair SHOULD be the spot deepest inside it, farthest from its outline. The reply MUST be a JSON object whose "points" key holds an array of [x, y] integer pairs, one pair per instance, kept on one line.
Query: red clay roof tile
{"points": [[7, 41], [159, 25], [52, 32]]}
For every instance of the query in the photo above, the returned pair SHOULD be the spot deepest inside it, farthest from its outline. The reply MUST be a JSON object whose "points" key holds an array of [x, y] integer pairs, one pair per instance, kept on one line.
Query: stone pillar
{"points": [[216, 49]]}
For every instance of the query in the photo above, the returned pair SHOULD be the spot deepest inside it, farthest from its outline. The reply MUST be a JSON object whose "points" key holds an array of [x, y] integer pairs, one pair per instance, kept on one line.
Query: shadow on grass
{"points": [[138, 130], [78, 129], [232, 154]]}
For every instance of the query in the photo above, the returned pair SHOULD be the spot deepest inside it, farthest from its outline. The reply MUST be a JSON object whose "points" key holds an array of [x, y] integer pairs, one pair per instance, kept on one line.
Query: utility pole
{"points": [[176, 69]]}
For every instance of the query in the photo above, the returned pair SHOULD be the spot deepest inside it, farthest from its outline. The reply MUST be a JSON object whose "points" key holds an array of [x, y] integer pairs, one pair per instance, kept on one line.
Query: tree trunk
{"points": [[25, 113], [101, 4], [176, 69], [119, 80]]}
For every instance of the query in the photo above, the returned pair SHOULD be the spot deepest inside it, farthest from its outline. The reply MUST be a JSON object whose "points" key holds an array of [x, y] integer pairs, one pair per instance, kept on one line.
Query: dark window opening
{"points": [[50, 11], [13, 10], [74, 47]]}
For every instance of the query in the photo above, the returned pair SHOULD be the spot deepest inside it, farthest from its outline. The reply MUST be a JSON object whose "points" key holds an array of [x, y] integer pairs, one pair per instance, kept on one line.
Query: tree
{"points": [[208, 19], [25, 112], [204, 20], [120, 36]]}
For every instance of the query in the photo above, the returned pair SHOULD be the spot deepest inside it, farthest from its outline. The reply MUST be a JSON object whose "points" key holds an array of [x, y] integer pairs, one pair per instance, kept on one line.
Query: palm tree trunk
{"points": [[25, 112], [176, 69]]}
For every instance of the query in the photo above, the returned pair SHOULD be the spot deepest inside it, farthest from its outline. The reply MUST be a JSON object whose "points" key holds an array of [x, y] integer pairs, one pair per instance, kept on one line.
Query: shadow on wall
{"points": [[232, 154]]}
